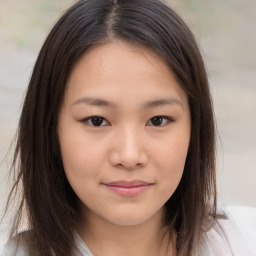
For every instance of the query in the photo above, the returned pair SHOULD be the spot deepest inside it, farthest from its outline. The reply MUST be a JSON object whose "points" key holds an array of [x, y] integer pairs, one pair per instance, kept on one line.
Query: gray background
{"points": [[226, 33]]}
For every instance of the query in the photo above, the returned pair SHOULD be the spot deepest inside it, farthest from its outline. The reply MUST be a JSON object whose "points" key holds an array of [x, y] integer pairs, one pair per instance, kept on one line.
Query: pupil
{"points": [[97, 121], [157, 120]]}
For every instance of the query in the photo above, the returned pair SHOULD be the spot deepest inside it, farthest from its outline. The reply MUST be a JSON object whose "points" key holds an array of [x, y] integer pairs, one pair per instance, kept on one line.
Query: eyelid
{"points": [[168, 118], [87, 119]]}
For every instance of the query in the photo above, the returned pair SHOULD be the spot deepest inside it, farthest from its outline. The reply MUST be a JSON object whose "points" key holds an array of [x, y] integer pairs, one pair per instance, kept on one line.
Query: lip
{"points": [[128, 188]]}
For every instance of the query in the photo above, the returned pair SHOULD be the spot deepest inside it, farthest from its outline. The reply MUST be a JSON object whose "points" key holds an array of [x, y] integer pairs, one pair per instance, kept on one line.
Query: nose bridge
{"points": [[130, 142], [128, 147]]}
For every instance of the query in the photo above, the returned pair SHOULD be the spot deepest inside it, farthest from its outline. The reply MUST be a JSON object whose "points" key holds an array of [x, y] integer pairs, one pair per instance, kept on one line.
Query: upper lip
{"points": [[124, 183]]}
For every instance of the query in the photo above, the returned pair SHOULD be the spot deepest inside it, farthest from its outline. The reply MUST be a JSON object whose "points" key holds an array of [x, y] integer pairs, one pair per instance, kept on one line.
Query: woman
{"points": [[116, 140]]}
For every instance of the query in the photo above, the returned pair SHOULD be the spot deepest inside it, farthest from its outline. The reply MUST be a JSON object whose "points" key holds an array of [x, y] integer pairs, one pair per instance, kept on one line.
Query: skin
{"points": [[133, 85]]}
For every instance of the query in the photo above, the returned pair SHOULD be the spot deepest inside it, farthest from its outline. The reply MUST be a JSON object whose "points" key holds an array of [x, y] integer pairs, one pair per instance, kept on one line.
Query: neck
{"points": [[149, 238]]}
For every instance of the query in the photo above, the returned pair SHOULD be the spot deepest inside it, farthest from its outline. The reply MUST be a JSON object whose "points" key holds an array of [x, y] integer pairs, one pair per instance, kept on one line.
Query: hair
{"points": [[49, 201]]}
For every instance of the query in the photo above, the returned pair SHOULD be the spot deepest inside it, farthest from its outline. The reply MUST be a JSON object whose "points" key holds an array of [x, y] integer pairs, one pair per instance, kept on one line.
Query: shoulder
{"points": [[235, 234], [82, 249], [244, 218], [17, 246]]}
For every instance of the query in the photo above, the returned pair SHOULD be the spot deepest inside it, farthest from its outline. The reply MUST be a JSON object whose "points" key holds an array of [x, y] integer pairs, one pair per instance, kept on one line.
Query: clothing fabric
{"points": [[239, 233], [11, 248], [239, 240]]}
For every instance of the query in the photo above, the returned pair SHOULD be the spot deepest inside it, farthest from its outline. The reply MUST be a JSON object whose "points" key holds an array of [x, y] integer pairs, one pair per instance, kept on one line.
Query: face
{"points": [[124, 131]]}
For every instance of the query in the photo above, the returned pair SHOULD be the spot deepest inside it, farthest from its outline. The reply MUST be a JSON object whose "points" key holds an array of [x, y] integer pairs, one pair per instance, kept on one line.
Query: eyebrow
{"points": [[161, 102], [94, 102], [149, 104]]}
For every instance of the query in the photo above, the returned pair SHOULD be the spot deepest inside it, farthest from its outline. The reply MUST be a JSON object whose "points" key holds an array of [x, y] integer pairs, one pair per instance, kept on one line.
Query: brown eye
{"points": [[159, 121], [95, 121]]}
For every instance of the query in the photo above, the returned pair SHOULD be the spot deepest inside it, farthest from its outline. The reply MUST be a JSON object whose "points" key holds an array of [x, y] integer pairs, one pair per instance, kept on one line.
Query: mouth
{"points": [[128, 188]]}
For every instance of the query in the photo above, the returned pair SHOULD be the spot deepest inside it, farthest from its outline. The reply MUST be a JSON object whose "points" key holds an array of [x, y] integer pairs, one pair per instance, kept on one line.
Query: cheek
{"points": [[78, 150], [172, 154], [171, 158], [81, 158], [81, 166]]}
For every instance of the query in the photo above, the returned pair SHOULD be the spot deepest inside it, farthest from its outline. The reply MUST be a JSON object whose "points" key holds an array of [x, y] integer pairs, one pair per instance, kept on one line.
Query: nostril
{"points": [[128, 152], [130, 166]]}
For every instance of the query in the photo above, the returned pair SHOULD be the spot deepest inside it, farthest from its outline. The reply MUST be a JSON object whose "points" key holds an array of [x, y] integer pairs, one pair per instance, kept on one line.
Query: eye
{"points": [[159, 121], [95, 121]]}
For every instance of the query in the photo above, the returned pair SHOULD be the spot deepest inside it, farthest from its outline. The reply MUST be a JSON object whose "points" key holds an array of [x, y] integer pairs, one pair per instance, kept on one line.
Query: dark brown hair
{"points": [[47, 197]]}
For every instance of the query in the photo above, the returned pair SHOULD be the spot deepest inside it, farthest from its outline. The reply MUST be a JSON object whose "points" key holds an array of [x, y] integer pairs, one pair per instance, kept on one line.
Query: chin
{"points": [[132, 218], [127, 221]]}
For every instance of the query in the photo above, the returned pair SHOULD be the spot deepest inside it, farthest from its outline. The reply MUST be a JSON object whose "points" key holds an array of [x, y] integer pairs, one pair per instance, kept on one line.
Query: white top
{"points": [[240, 229]]}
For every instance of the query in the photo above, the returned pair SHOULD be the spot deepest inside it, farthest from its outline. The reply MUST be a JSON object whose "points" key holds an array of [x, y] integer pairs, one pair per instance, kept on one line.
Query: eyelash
{"points": [[88, 121]]}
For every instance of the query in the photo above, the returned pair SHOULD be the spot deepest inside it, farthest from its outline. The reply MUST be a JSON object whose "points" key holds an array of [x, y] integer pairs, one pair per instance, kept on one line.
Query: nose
{"points": [[128, 150]]}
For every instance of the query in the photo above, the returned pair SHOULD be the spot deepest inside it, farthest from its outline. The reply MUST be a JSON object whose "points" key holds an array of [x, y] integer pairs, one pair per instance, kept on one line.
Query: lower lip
{"points": [[128, 191]]}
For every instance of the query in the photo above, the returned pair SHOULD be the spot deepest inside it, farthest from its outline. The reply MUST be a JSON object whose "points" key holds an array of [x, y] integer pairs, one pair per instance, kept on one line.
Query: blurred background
{"points": [[226, 34]]}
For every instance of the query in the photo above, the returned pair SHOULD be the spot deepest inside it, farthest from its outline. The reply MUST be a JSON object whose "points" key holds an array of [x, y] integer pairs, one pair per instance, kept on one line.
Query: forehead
{"points": [[119, 68]]}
